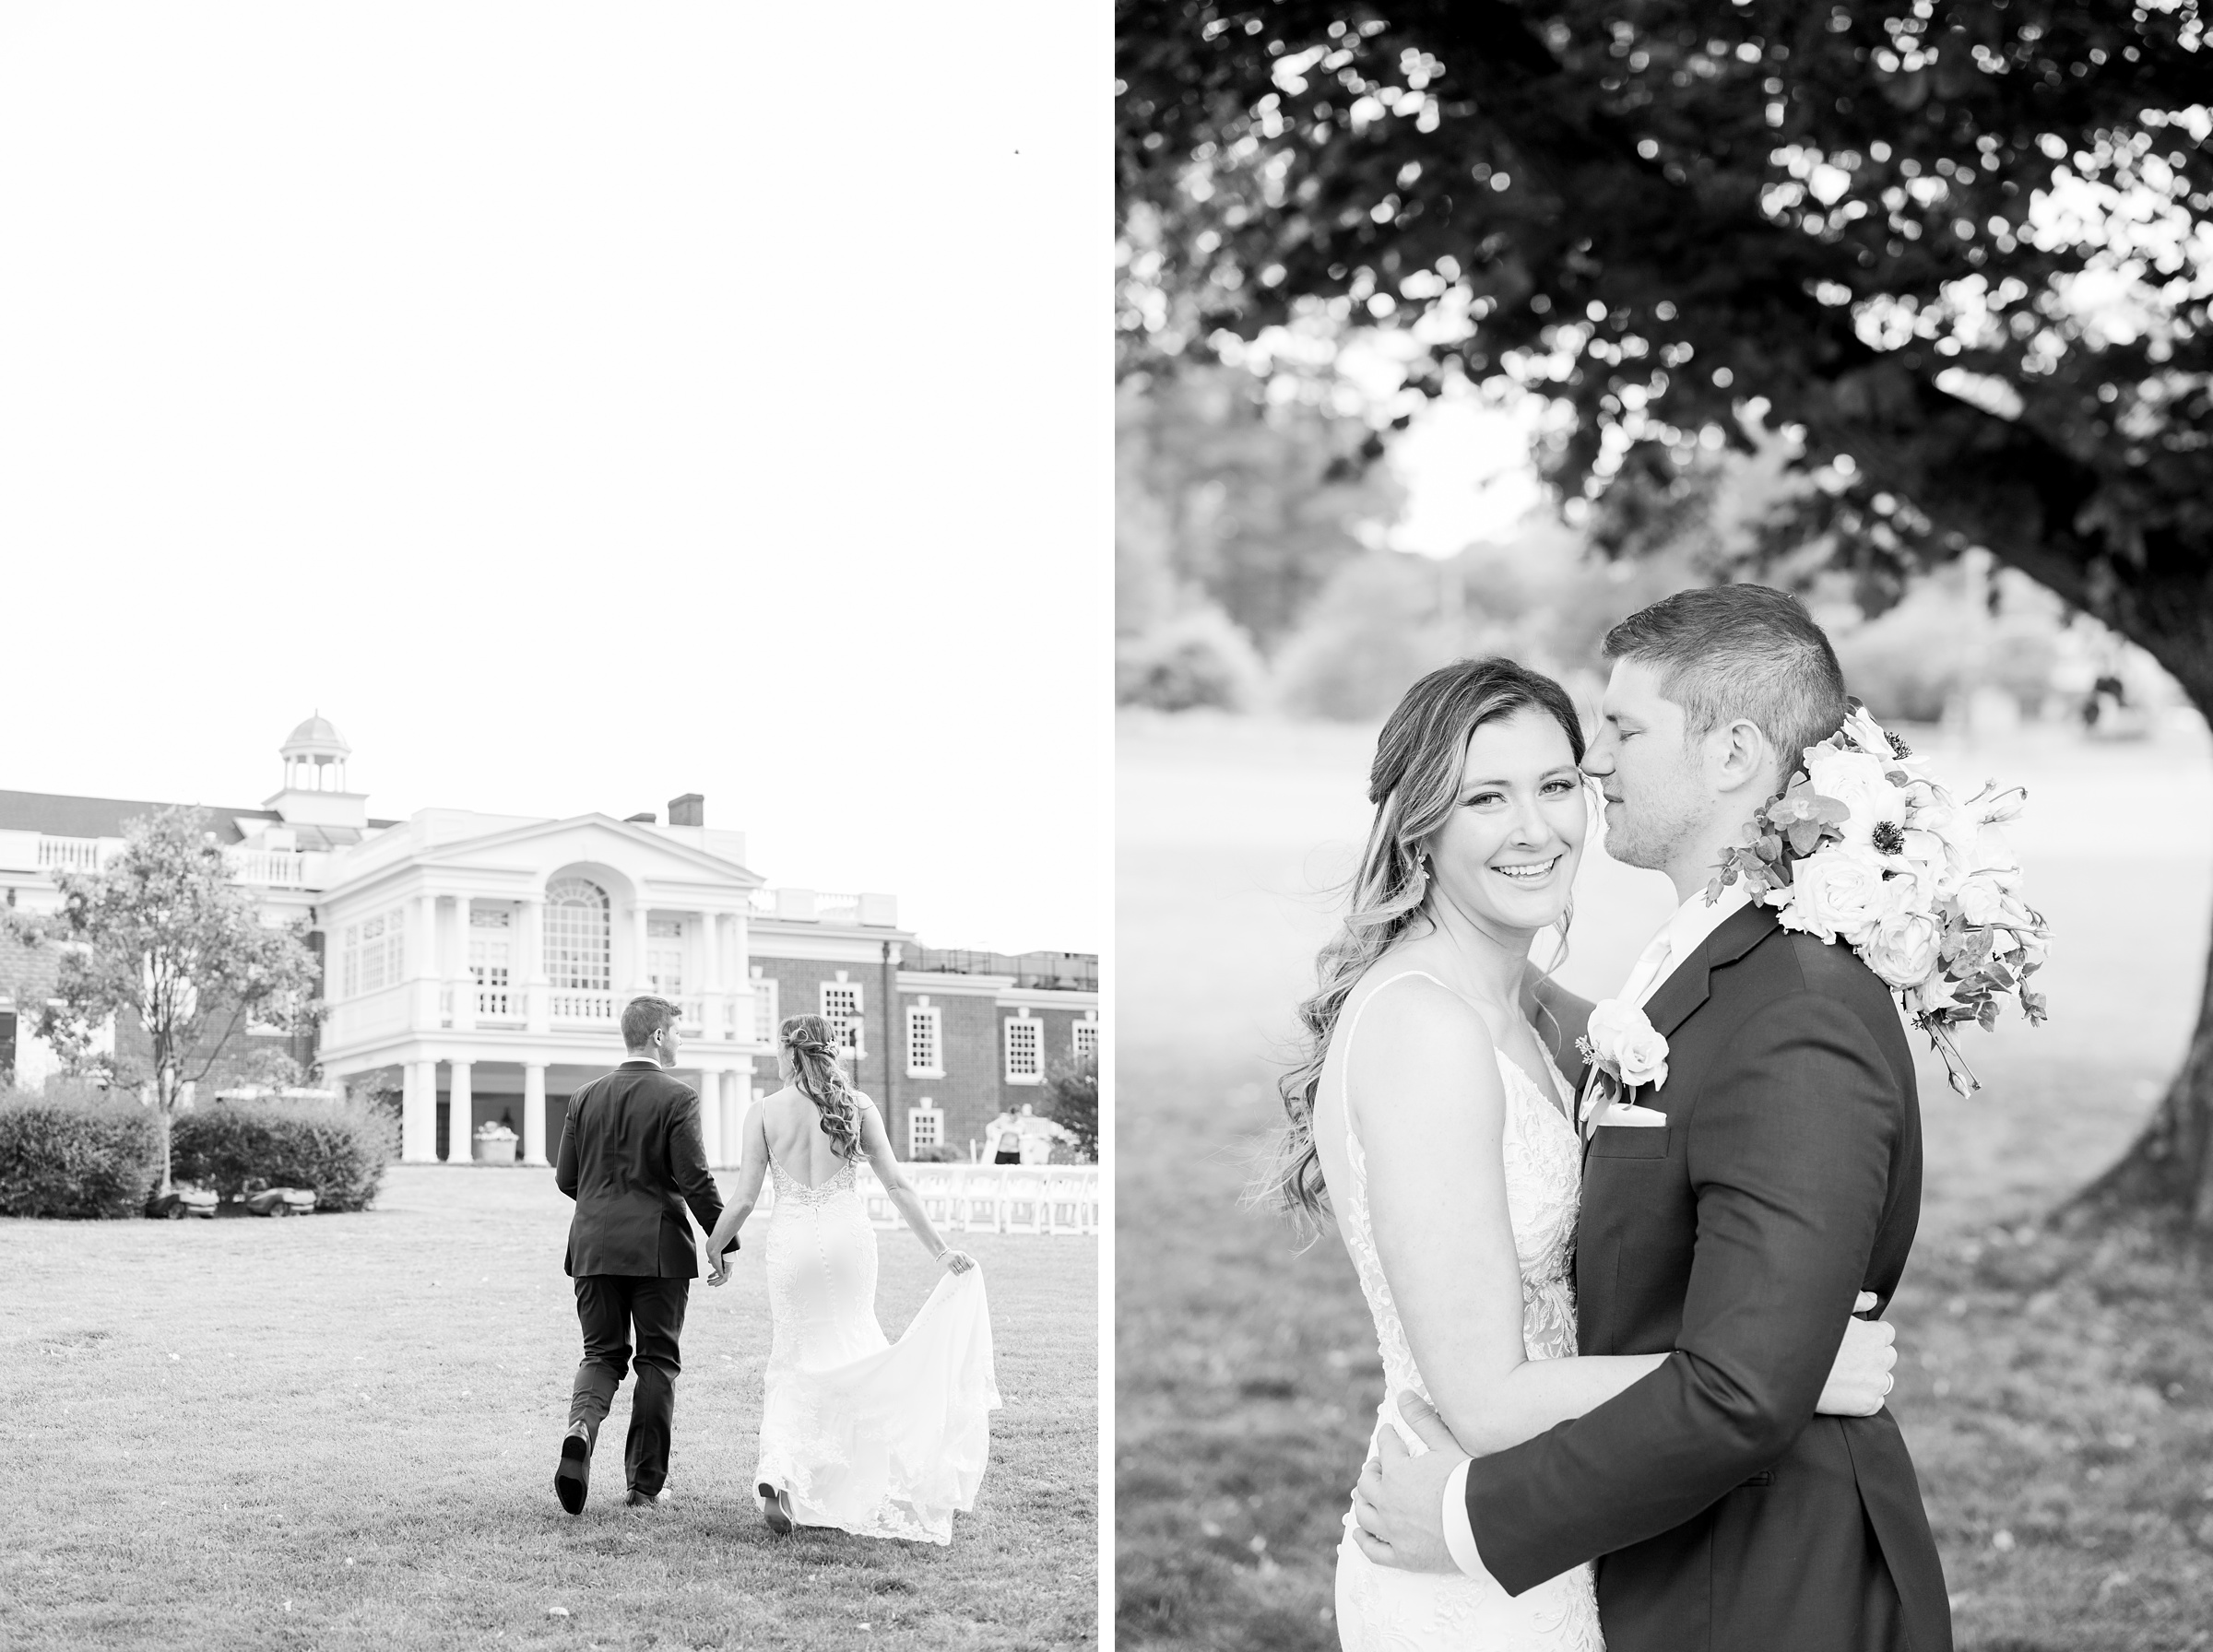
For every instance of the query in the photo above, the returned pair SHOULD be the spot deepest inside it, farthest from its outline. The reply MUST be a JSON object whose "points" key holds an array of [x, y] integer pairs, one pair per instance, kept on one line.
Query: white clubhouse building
{"points": [[486, 957]]}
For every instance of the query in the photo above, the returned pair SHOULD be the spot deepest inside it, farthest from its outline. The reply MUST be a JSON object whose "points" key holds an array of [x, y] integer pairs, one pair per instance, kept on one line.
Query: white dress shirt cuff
{"points": [[1460, 1533]]}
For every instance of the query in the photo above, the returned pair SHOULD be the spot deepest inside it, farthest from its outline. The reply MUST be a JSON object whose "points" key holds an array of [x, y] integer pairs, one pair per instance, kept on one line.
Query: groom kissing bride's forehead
{"points": [[1710, 1461]]}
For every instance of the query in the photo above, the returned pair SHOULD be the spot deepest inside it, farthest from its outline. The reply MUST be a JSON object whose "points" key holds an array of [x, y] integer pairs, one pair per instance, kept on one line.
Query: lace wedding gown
{"points": [[1378, 1608], [881, 1439]]}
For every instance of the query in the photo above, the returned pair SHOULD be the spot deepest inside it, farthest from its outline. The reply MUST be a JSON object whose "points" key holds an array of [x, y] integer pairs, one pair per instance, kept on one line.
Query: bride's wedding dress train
{"points": [[1378, 1608], [881, 1439]]}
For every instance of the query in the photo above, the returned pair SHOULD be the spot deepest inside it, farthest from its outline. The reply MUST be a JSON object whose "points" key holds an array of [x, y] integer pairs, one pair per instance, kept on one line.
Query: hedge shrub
{"points": [[76, 1153], [338, 1149]]}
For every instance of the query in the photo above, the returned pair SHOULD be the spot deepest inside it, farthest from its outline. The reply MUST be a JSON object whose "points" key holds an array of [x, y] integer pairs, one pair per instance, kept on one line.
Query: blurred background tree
{"points": [[1952, 262], [1072, 1101]]}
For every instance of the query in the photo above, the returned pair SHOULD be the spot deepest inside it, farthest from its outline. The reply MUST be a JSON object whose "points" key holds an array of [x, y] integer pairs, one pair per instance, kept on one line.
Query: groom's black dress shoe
{"points": [[776, 1508], [574, 1474]]}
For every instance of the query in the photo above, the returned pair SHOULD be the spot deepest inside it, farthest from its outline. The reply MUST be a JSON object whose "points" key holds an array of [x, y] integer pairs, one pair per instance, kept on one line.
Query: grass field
{"points": [[2057, 1394], [340, 1431]]}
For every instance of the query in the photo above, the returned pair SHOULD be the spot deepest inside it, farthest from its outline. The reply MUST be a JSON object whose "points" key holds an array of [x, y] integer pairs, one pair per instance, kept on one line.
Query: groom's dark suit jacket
{"points": [[631, 1157], [1723, 1514]]}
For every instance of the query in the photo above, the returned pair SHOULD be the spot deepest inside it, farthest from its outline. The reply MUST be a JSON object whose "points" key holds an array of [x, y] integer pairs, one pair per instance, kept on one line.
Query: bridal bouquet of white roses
{"points": [[1864, 846]]}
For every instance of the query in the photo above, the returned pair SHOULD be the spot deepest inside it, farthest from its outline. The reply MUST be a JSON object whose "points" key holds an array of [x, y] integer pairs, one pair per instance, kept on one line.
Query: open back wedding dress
{"points": [[1378, 1608], [881, 1439]]}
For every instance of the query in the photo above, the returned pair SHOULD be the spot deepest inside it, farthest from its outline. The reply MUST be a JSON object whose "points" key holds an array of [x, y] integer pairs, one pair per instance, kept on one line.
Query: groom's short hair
{"points": [[1726, 652], [642, 1017]]}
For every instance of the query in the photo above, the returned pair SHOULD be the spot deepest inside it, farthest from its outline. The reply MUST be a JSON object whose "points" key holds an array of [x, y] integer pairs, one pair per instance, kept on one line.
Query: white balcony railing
{"points": [[69, 854], [826, 906], [572, 1006], [275, 869], [278, 869]]}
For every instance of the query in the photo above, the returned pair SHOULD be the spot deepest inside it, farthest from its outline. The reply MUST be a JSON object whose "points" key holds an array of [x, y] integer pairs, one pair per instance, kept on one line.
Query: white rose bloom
{"points": [[1856, 780], [1620, 1033], [1904, 947], [1837, 892]]}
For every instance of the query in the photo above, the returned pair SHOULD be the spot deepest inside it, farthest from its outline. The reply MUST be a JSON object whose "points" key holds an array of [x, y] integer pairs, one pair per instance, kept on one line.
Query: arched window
{"points": [[578, 945]]}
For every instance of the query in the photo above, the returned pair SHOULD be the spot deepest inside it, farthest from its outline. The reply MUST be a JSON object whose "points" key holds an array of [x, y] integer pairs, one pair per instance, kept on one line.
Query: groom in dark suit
{"points": [[1732, 1235], [631, 1157]]}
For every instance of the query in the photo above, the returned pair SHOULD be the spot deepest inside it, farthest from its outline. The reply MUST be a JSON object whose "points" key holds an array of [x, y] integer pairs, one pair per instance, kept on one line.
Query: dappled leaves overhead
{"points": [[1964, 248]]}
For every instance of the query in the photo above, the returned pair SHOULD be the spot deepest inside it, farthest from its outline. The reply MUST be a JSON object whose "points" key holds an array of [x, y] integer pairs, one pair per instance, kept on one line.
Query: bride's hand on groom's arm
{"points": [[1399, 1501], [1861, 1376]]}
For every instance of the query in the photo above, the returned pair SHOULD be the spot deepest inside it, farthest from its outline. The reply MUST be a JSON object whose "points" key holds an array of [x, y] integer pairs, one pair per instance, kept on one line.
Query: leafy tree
{"points": [[1247, 502], [1958, 251], [1072, 1101], [162, 937]]}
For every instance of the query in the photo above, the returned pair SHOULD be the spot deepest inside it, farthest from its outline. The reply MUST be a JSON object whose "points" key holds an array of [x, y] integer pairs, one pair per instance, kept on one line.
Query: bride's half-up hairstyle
{"points": [[1415, 784], [815, 1073]]}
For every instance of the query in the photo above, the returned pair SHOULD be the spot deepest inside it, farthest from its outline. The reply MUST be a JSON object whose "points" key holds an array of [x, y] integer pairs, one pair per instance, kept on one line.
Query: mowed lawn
{"points": [[340, 1431], [2057, 1395]]}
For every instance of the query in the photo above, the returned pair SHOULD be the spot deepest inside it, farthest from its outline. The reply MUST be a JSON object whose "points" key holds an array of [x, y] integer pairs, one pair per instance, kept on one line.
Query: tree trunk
{"points": [[165, 1104], [2169, 1168]]}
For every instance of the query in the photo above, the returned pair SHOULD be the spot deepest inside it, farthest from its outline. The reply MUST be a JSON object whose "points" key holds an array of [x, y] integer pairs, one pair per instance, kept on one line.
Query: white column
{"points": [[710, 1116], [418, 1113], [459, 1125], [712, 1022], [534, 1113], [733, 1113], [530, 968], [465, 987], [637, 951], [426, 960]]}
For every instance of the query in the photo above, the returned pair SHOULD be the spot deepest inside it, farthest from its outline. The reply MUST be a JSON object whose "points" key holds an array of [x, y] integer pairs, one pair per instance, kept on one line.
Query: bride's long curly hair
{"points": [[1415, 784], [812, 1046]]}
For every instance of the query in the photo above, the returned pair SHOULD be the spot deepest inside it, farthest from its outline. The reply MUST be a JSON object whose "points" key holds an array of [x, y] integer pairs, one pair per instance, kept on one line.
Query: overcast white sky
{"points": [[579, 406]]}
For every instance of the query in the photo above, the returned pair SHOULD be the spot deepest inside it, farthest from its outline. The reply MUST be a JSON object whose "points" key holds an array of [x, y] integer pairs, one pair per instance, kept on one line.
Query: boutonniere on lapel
{"points": [[1625, 1053]]}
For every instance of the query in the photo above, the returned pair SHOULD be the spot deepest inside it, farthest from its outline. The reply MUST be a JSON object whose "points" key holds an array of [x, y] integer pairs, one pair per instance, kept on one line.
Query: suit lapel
{"points": [[1684, 989], [1677, 998]]}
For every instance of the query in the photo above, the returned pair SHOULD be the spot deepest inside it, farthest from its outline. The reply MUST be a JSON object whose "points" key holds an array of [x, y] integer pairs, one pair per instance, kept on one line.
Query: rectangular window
{"points": [[764, 1011], [925, 1128], [372, 954], [664, 928], [1025, 1050], [841, 1009], [488, 967], [925, 1044], [665, 970], [1088, 1041]]}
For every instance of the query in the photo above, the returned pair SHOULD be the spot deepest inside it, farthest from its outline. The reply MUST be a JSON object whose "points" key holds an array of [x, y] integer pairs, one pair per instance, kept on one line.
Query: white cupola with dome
{"points": [[315, 790]]}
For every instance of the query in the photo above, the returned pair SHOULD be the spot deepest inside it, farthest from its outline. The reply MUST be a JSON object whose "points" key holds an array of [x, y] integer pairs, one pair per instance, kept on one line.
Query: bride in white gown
{"points": [[878, 1438], [1441, 1143]]}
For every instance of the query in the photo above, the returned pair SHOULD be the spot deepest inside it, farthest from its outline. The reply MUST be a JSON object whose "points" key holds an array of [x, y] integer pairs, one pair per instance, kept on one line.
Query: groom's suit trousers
{"points": [[609, 1307]]}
